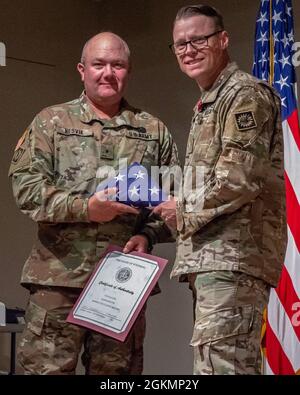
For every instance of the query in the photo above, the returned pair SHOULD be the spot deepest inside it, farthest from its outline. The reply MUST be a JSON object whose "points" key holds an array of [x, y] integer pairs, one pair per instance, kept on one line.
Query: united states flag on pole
{"points": [[274, 63]]}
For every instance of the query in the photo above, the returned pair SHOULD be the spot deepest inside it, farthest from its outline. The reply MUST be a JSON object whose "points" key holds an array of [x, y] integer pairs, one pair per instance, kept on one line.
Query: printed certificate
{"points": [[116, 292]]}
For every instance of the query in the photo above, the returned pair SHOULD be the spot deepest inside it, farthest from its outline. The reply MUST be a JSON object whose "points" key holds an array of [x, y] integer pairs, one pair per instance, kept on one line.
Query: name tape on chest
{"points": [[138, 135], [75, 132], [131, 132]]}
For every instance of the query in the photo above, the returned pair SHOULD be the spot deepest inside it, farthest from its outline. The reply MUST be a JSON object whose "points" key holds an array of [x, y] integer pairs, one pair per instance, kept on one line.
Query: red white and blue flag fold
{"points": [[135, 187]]}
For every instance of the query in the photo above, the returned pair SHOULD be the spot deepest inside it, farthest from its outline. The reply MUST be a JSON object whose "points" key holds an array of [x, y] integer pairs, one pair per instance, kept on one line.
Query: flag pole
{"points": [[271, 82]]}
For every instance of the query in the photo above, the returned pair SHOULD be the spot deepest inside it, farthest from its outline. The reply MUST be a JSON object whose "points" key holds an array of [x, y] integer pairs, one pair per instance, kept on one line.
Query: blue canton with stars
{"points": [[135, 187], [283, 36]]}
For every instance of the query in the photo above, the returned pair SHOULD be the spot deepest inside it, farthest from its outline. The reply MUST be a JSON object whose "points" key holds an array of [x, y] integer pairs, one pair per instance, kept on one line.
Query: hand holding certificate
{"points": [[116, 292]]}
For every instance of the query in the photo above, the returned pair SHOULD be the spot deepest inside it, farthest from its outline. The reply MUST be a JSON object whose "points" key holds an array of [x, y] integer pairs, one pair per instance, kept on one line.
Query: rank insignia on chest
{"points": [[245, 120], [107, 151]]}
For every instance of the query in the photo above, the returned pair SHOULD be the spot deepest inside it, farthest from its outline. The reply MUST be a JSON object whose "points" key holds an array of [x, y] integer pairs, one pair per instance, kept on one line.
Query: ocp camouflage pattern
{"points": [[54, 172], [236, 138]]}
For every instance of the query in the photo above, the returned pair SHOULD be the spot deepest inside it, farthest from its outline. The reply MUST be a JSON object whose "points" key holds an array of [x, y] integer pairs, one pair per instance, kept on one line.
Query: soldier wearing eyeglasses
{"points": [[231, 249]]}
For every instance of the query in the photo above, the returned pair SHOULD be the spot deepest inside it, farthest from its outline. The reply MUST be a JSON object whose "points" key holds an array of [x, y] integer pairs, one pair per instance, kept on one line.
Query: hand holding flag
{"points": [[102, 209], [167, 211]]}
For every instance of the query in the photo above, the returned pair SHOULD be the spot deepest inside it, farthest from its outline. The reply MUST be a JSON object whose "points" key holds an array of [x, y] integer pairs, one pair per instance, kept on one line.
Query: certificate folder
{"points": [[116, 292]]}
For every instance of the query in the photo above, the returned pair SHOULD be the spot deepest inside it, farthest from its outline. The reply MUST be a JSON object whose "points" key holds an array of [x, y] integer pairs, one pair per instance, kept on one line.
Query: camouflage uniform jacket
{"points": [[53, 175], [236, 139]]}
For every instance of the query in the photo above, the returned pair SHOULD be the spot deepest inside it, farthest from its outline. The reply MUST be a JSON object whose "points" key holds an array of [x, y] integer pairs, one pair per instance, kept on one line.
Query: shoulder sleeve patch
{"points": [[18, 155], [22, 139], [245, 120], [21, 157]]}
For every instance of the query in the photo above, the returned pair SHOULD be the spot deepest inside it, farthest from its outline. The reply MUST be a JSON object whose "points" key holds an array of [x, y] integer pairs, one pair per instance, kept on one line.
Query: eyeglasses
{"points": [[196, 43]]}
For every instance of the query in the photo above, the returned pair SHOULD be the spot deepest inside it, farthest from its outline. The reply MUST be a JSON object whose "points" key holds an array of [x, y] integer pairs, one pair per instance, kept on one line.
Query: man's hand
{"points": [[167, 211], [137, 243], [101, 209]]}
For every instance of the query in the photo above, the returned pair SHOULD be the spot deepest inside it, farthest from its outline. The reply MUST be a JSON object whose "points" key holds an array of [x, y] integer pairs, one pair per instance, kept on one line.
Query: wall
{"points": [[53, 32], [50, 32]]}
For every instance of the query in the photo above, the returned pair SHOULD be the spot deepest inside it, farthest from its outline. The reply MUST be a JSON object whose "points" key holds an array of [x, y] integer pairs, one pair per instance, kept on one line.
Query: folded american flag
{"points": [[135, 187]]}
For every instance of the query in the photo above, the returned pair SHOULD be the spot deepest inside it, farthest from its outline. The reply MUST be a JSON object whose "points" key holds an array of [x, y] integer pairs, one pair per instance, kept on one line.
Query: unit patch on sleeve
{"points": [[18, 154], [245, 120]]}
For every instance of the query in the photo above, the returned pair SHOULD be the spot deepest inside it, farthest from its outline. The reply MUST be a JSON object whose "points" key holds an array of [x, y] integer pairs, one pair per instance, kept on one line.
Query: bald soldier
{"points": [[232, 230], [54, 178]]}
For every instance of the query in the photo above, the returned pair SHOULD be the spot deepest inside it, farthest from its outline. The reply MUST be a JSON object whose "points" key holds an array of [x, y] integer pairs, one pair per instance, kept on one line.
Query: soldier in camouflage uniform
{"points": [[54, 178], [231, 249]]}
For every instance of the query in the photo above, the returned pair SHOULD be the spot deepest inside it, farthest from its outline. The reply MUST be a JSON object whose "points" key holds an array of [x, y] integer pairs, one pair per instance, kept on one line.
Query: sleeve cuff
{"points": [[79, 209], [189, 225], [179, 217], [150, 237]]}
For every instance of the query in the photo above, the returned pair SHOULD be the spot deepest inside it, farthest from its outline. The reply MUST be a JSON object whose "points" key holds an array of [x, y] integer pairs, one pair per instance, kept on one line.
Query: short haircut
{"points": [[201, 9], [124, 43]]}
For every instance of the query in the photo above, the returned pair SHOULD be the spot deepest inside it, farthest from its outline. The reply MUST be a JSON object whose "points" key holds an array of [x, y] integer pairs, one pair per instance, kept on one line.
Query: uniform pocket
{"points": [[76, 156], [35, 318], [132, 149], [135, 147], [224, 323]]}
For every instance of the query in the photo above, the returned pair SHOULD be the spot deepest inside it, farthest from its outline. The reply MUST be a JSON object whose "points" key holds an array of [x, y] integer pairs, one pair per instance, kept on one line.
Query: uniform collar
{"points": [[88, 115], [211, 95]]}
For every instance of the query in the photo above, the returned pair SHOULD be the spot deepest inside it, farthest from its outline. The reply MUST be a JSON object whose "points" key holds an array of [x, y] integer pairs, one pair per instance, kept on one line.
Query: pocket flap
{"points": [[35, 318], [223, 323]]}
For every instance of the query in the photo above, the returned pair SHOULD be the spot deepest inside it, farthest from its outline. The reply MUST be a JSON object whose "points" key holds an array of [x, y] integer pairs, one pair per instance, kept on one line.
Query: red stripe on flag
{"points": [[293, 122], [293, 211], [277, 359], [288, 297]]}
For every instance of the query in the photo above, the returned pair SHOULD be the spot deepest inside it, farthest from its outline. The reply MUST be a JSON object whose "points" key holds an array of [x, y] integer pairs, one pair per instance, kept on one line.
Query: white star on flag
{"points": [[276, 18], [263, 38], [263, 77], [263, 59], [291, 35], [275, 38], [134, 191], [288, 10], [284, 61], [262, 18], [154, 190], [283, 102], [285, 41], [282, 82], [140, 174], [120, 177]]}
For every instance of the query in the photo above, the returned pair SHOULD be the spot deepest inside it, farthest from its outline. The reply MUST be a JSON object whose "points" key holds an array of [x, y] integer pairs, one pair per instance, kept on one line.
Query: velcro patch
{"points": [[107, 151], [18, 155], [140, 135], [21, 140], [75, 132], [245, 120]]}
